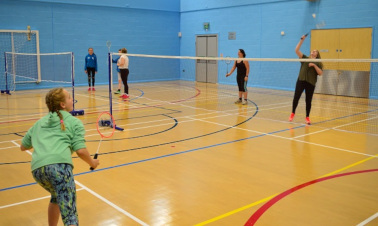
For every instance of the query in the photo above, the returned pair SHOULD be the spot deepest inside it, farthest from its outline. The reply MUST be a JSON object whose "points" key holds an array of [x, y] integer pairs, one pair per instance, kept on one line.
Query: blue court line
{"points": [[346, 116], [18, 186], [191, 138], [257, 109], [196, 149], [162, 156]]}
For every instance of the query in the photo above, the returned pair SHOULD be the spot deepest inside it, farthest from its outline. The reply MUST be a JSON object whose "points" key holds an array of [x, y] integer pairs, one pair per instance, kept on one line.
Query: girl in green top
{"points": [[306, 80], [54, 138]]}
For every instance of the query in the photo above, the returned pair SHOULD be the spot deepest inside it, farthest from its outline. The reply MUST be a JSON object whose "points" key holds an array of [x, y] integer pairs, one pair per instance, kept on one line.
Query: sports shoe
{"points": [[308, 122], [89, 89], [244, 102], [124, 96], [238, 101], [117, 92], [93, 89], [291, 117]]}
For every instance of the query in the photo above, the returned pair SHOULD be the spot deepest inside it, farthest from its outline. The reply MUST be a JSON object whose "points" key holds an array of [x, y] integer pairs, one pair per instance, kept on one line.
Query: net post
{"points": [[110, 82], [73, 82], [74, 112], [110, 88], [38, 56], [6, 76]]}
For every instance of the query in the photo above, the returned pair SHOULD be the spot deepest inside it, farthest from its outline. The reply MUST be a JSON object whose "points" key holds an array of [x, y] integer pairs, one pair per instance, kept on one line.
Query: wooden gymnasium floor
{"points": [[190, 156]]}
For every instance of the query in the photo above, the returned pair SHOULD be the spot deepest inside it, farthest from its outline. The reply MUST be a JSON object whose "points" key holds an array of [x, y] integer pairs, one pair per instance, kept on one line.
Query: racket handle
{"points": [[95, 157]]}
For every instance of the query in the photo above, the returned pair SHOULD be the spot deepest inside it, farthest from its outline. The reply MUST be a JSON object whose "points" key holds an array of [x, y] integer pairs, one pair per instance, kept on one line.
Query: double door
{"points": [[343, 78], [207, 70]]}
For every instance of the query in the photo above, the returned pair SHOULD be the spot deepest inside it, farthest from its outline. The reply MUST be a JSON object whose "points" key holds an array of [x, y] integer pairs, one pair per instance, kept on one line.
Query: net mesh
{"points": [[359, 76], [34, 71], [346, 95], [17, 42]]}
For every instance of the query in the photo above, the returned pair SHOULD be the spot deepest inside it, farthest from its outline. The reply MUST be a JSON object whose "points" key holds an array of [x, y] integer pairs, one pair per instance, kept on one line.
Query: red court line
{"points": [[96, 112], [253, 219]]}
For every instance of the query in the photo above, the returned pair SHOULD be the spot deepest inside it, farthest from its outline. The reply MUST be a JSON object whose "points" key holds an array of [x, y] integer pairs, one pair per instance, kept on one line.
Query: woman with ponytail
{"points": [[308, 75], [54, 138]]}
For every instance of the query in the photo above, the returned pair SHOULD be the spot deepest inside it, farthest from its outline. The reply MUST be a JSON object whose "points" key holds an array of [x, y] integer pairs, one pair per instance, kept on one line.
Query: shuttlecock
{"points": [[314, 15]]}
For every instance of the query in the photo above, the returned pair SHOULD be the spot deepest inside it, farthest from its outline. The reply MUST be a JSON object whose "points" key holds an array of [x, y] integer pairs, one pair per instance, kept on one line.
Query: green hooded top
{"points": [[51, 144]]}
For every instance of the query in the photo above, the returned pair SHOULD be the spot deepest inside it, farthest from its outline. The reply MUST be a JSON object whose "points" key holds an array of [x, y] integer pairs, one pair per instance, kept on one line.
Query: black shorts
{"points": [[242, 84]]}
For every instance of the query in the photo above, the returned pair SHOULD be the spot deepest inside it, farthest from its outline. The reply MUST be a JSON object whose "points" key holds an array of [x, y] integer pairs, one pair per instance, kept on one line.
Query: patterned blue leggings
{"points": [[59, 181]]}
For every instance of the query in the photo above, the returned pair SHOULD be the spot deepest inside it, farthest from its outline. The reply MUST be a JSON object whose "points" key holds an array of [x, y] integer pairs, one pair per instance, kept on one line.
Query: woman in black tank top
{"points": [[241, 76]]}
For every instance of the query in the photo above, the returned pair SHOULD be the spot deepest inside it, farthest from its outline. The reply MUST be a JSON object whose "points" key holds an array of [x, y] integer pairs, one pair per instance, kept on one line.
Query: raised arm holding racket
{"points": [[307, 78]]}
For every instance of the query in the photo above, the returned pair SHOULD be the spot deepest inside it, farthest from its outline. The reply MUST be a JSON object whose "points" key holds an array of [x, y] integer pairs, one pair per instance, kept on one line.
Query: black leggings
{"points": [[309, 89], [124, 75], [242, 84], [91, 71]]}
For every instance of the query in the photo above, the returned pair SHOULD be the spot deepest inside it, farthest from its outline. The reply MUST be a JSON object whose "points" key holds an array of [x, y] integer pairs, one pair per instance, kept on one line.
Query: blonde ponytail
{"points": [[62, 126], [53, 99]]}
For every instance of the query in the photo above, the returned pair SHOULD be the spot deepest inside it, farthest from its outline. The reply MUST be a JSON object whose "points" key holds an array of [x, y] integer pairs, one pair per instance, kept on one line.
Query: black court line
{"points": [[183, 152], [171, 142]]}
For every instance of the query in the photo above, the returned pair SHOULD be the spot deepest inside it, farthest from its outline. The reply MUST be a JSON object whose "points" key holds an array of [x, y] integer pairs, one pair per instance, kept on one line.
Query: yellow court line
{"points": [[349, 166], [272, 196], [236, 210]]}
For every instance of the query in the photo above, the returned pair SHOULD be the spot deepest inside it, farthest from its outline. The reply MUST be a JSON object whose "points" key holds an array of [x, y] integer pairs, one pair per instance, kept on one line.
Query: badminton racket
{"points": [[319, 25], [108, 44], [227, 61], [105, 127]]}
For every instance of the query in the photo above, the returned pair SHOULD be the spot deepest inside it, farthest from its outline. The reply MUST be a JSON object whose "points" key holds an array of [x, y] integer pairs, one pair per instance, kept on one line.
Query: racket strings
{"points": [[106, 125]]}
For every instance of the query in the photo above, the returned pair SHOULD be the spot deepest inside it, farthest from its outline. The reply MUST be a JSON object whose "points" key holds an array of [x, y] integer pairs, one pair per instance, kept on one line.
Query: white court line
{"points": [[25, 119], [215, 111], [105, 200], [17, 145], [31, 200], [222, 112], [111, 204], [20, 116], [148, 122], [335, 127], [211, 112], [368, 220], [179, 122], [348, 131], [330, 103], [7, 147], [286, 138]]}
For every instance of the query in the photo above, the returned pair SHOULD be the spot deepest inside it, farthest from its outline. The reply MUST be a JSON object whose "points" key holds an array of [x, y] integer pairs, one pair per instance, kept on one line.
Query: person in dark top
{"points": [[90, 68], [308, 75], [241, 76]]}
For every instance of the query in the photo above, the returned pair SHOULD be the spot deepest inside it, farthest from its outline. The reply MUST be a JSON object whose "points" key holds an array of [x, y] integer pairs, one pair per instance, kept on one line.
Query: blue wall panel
{"points": [[151, 27], [76, 27], [258, 25]]}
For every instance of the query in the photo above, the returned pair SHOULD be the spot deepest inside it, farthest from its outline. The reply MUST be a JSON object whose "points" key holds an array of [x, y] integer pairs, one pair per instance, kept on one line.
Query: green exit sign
{"points": [[206, 26]]}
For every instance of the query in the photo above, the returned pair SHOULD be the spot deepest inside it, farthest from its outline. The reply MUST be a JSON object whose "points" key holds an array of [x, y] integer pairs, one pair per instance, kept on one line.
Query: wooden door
{"points": [[327, 42], [355, 44]]}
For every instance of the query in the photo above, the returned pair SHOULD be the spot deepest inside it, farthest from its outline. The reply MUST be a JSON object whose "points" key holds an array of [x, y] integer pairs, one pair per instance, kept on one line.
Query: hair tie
{"points": [[61, 121]]}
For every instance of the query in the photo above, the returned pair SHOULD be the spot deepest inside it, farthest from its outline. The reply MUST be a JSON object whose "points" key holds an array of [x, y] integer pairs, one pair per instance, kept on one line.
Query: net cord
{"points": [[252, 59]]}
